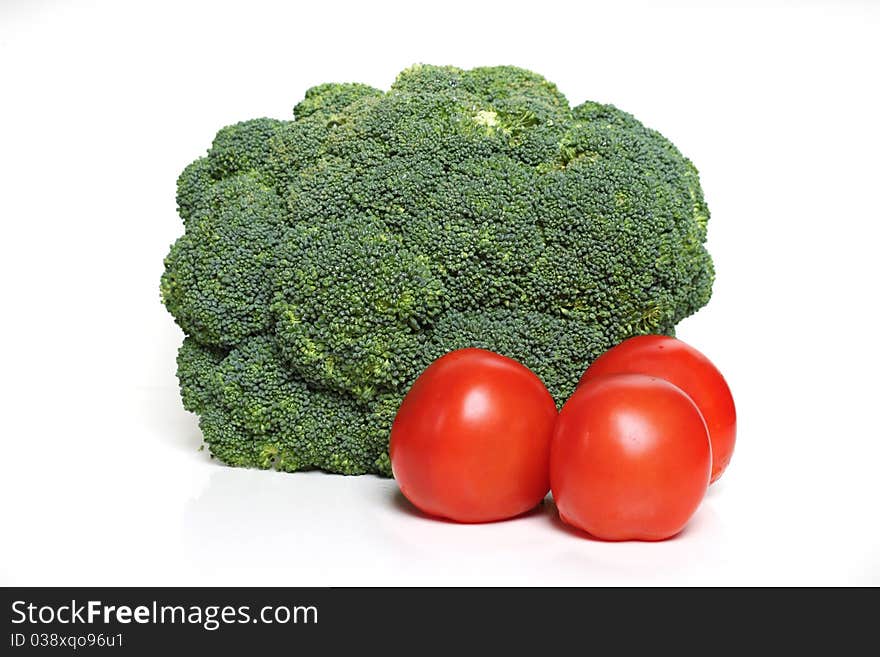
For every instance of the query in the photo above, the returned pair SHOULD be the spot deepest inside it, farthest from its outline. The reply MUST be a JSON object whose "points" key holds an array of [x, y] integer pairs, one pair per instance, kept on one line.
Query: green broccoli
{"points": [[327, 260]]}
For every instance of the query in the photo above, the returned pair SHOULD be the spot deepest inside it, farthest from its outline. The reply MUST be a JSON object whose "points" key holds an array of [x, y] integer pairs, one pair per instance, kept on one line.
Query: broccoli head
{"points": [[328, 259]]}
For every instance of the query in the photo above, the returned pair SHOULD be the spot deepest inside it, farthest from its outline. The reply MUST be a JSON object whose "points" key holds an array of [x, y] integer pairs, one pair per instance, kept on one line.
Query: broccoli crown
{"points": [[327, 260]]}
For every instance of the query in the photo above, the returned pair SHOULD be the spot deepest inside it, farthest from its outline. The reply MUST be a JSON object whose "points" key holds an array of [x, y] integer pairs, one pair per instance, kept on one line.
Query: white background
{"points": [[103, 103]]}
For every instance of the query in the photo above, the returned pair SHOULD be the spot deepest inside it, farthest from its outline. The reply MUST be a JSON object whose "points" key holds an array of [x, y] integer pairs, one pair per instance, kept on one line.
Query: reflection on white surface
{"points": [[318, 529]]}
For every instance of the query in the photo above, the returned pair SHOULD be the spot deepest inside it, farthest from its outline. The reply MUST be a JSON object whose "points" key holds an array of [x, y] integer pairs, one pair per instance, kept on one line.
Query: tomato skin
{"points": [[687, 368], [471, 440], [631, 458]]}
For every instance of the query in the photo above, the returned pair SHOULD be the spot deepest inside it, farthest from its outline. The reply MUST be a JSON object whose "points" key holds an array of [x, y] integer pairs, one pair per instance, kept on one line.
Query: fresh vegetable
{"points": [[688, 369], [471, 441], [327, 260], [631, 458]]}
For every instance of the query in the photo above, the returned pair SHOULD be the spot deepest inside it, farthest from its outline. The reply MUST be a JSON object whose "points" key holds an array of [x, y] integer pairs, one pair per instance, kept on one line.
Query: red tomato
{"points": [[687, 368], [471, 441], [631, 458]]}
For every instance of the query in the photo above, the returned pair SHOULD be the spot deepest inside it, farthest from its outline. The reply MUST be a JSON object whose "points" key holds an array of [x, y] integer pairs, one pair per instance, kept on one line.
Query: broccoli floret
{"points": [[332, 98], [351, 304], [255, 412], [327, 260], [218, 280], [245, 147], [196, 364]]}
